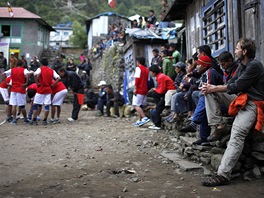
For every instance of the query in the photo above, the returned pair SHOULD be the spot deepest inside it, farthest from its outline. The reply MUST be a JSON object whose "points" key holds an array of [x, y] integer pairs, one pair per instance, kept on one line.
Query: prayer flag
{"points": [[10, 10], [111, 3]]}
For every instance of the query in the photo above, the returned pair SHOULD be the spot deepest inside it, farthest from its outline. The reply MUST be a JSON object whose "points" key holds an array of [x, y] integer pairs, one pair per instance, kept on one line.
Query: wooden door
{"points": [[251, 18]]}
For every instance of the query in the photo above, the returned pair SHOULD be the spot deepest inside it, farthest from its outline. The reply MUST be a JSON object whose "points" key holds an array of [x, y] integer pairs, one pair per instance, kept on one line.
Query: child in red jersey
{"points": [[59, 91], [5, 94], [18, 89]]}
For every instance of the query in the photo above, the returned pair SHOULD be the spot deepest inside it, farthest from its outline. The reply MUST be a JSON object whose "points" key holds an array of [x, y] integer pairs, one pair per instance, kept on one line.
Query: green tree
{"points": [[79, 36]]}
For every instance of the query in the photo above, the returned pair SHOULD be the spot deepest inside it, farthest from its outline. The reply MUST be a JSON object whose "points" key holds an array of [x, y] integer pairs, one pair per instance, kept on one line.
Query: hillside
{"points": [[61, 11]]}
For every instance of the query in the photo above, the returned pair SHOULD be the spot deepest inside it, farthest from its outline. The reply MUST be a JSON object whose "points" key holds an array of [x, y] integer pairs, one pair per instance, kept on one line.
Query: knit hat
{"points": [[205, 61]]}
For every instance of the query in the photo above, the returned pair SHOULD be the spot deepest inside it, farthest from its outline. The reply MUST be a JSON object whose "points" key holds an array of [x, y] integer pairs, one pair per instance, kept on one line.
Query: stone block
{"points": [[205, 160], [216, 160], [258, 156], [188, 150], [187, 140], [184, 164], [256, 172], [195, 158], [206, 155], [202, 148], [258, 147], [216, 150], [237, 168]]}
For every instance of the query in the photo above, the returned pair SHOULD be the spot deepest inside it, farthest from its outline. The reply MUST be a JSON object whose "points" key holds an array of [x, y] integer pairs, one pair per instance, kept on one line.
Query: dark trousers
{"points": [[160, 106], [199, 117], [110, 104], [100, 104], [76, 105], [90, 103]]}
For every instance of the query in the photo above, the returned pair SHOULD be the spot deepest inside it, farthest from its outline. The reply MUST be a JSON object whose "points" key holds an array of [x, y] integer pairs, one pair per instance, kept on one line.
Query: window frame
{"points": [[210, 11]]}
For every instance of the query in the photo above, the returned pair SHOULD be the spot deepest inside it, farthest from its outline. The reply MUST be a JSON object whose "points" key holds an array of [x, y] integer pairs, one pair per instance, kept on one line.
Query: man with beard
{"points": [[247, 107]]}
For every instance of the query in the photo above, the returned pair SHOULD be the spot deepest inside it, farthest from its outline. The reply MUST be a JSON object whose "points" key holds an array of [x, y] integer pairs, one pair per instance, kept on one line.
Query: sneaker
{"points": [[44, 122], [56, 121], [71, 120], [137, 123], [144, 121], [9, 119], [38, 118], [18, 116], [52, 121], [26, 121], [35, 123], [14, 122], [154, 127]]}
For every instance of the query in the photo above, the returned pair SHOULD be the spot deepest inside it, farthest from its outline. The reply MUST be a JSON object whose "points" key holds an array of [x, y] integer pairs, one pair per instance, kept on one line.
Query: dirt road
{"points": [[98, 157]]}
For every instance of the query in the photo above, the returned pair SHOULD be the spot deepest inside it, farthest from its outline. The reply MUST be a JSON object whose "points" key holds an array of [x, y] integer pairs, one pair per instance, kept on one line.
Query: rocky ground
{"points": [[100, 157]]}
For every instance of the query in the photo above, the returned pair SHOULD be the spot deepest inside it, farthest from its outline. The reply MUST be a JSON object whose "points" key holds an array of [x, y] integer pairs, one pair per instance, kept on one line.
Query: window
{"points": [[214, 29], [66, 33], [6, 30], [16, 30]]}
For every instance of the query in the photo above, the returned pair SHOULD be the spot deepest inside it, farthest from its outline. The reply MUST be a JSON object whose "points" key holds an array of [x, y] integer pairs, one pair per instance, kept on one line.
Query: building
{"points": [[61, 37], [219, 23], [24, 33], [98, 26]]}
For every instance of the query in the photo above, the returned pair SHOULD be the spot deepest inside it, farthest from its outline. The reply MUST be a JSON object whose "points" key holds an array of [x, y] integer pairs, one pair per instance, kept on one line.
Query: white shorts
{"points": [[5, 94], [139, 100], [59, 97], [17, 99], [42, 99]]}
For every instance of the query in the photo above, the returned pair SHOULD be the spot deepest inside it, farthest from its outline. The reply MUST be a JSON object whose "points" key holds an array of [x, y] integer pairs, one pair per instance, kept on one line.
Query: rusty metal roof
{"points": [[21, 13]]}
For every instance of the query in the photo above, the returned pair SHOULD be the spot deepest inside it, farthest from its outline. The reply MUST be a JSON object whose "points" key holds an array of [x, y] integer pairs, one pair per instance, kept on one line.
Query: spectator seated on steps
{"points": [[248, 81]]}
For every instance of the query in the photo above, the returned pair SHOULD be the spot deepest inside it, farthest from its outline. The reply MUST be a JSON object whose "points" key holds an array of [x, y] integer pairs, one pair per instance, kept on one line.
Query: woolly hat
{"points": [[205, 61]]}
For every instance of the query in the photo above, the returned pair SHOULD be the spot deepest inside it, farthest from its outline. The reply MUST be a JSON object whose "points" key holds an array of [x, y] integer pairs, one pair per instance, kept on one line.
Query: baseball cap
{"points": [[181, 65], [102, 82]]}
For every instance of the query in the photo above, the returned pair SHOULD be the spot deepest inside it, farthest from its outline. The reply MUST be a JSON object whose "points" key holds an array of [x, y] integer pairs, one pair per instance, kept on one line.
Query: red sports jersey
{"points": [[3, 84], [45, 80], [59, 87], [141, 82], [18, 79]]}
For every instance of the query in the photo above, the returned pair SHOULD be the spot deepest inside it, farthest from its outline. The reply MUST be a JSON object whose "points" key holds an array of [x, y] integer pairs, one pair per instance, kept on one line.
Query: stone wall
{"points": [[109, 67]]}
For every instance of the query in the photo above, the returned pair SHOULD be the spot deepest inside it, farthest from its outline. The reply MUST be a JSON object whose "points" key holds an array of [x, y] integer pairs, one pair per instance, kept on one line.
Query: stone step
{"points": [[184, 164]]}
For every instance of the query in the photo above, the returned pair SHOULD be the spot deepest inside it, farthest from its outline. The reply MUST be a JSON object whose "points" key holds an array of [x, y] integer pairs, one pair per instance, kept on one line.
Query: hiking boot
{"points": [[216, 133]]}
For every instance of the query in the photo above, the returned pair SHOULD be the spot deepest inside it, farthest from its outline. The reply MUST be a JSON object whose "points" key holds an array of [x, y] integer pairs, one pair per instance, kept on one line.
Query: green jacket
{"points": [[168, 69], [176, 57]]}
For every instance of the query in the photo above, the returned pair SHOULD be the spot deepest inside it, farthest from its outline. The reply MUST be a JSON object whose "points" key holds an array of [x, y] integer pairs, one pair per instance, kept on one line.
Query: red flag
{"points": [[111, 3], [10, 9]]}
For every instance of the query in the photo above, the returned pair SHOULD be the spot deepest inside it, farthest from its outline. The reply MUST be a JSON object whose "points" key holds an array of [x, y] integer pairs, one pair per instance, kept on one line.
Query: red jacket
{"points": [[240, 102], [3, 84], [165, 83]]}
